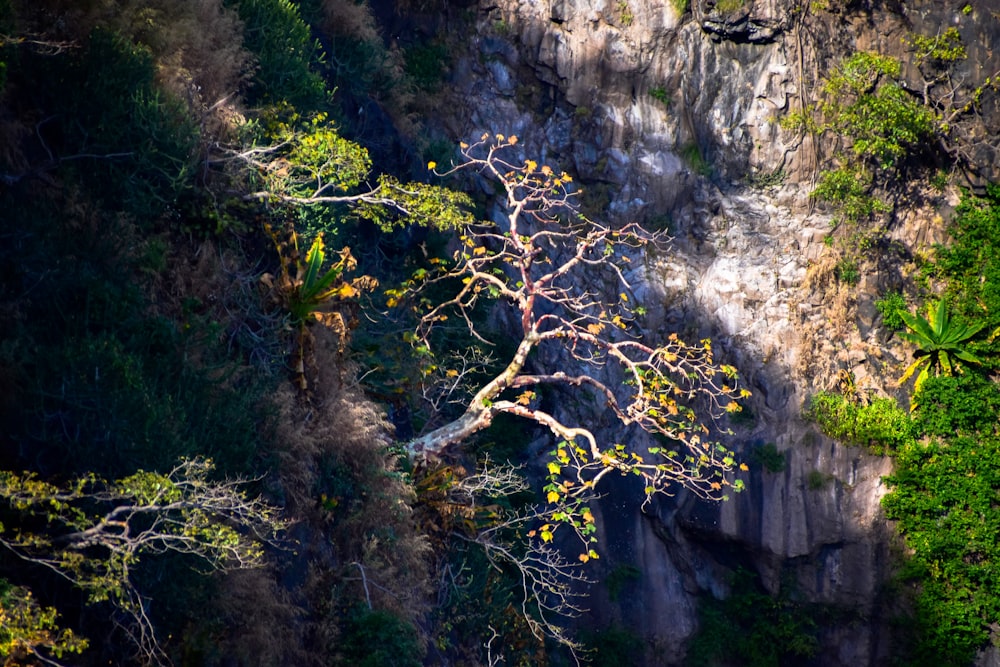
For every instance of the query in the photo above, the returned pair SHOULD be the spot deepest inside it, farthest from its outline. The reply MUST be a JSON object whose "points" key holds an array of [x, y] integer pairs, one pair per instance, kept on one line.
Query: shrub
{"points": [[661, 95], [847, 271], [377, 639], [848, 188], [957, 404], [759, 630], [276, 34], [865, 102], [882, 426], [768, 457], [112, 106], [680, 6], [425, 65], [971, 263], [890, 306], [728, 6], [944, 498], [691, 153], [817, 479]]}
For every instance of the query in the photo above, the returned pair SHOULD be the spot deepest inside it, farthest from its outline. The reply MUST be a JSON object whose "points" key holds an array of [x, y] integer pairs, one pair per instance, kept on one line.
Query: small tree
{"points": [[94, 533], [546, 265], [29, 632], [555, 269]]}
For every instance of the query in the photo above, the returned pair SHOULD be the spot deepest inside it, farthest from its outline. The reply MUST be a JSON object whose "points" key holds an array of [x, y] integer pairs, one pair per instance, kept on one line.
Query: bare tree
{"points": [[565, 278], [957, 95], [557, 268]]}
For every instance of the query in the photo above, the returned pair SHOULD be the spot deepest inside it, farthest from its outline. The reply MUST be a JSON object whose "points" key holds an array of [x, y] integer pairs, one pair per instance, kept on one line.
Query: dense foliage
{"points": [[763, 630], [177, 334], [140, 338], [946, 450]]}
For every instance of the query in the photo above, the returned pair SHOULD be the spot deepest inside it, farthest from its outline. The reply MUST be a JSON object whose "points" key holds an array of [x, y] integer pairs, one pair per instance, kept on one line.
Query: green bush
{"points": [[865, 101], [286, 53], [847, 271], [848, 188], [768, 457], [881, 426], [680, 6], [889, 306], [126, 141], [752, 628], [817, 480], [944, 500], [379, 639], [943, 491], [691, 153], [660, 94], [957, 404], [425, 64], [614, 646], [971, 262]]}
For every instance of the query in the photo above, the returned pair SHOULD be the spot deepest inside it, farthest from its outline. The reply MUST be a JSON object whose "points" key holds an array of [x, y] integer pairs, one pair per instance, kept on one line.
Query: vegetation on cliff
{"points": [[945, 451], [187, 453]]}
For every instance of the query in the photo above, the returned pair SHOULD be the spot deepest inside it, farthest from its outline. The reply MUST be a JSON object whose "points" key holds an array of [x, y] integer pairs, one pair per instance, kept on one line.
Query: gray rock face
{"points": [[753, 22], [672, 118]]}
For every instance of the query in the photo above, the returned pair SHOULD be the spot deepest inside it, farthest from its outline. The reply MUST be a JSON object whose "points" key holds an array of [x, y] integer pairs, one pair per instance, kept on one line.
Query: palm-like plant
{"points": [[311, 293], [940, 343]]}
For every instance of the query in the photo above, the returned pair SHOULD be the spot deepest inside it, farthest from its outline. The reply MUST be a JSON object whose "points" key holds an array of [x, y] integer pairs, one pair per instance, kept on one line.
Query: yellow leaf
{"points": [[623, 296], [595, 328], [512, 139], [479, 250], [463, 145], [452, 373], [588, 517], [546, 535], [499, 137], [743, 467], [552, 497], [554, 468], [431, 165]]}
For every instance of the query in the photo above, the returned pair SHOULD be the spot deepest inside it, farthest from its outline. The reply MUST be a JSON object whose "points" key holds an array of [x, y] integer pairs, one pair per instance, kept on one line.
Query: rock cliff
{"points": [[671, 117]]}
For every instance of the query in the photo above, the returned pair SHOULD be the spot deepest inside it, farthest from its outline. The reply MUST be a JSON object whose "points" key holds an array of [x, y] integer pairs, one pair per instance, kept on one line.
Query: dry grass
{"points": [[338, 474], [836, 323], [346, 17], [264, 625], [197, 45], [198, 49]]}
